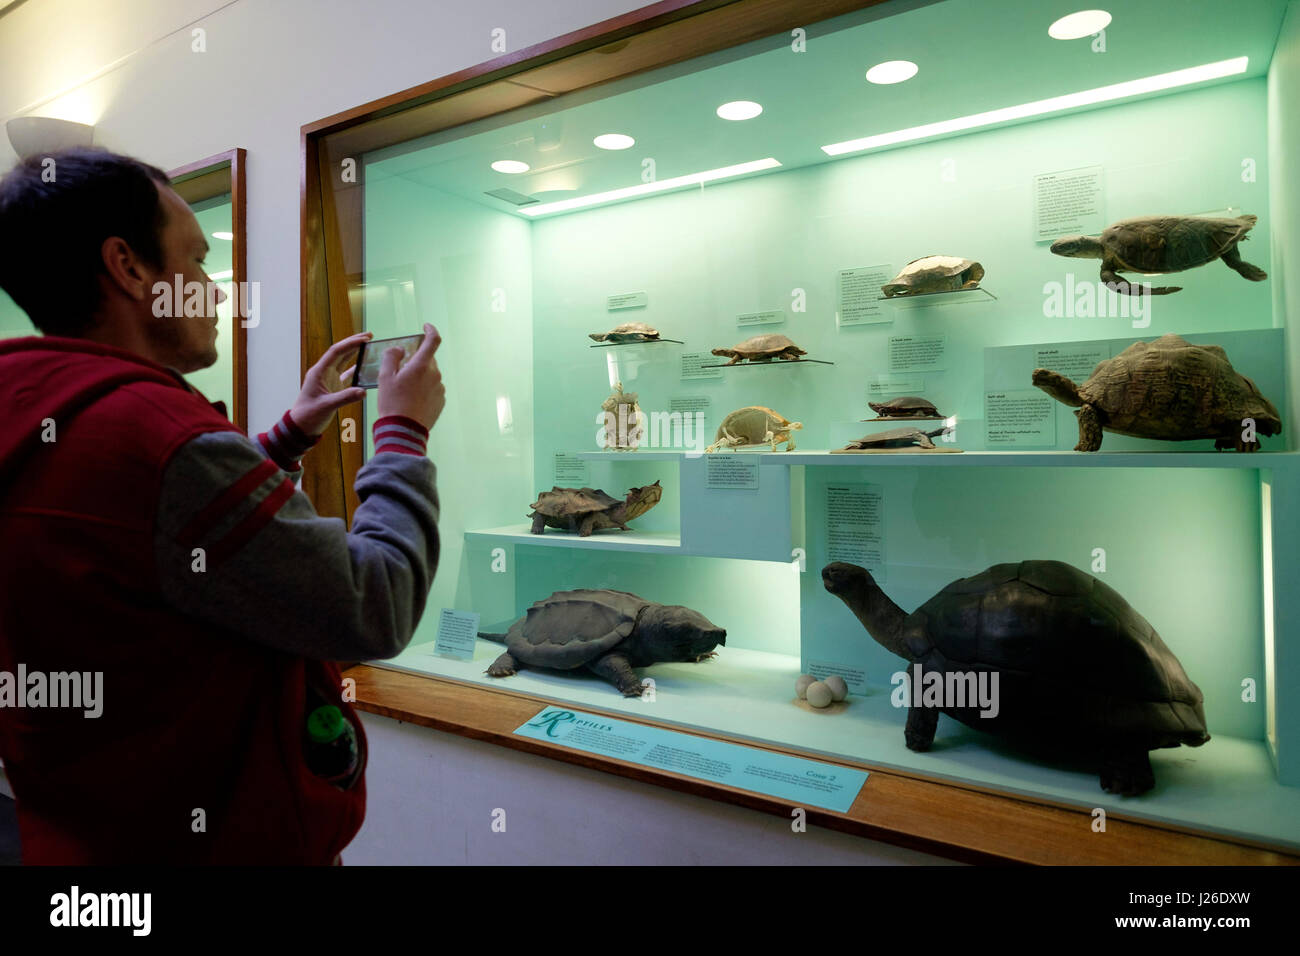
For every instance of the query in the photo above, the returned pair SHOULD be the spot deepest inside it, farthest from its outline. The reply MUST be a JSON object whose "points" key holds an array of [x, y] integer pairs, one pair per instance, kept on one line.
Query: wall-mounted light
{"points": [[35, 135], [510, 166]]}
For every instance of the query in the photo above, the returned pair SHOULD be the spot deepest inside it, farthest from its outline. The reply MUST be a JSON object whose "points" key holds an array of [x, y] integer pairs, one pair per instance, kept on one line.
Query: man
{"points": [[156, 558]]}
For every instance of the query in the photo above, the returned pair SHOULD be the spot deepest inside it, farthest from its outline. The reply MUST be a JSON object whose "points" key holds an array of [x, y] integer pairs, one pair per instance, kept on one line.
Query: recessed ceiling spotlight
{"points": [[1078, 25], [510, 166], [228, 236], [894, 71], [613, 141], [739, 110]]}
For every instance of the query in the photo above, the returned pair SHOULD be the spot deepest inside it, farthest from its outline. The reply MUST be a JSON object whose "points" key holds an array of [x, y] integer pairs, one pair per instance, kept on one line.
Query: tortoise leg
{"points": [[921, 725], [1124, 287], [584, 529], [539, 524], [1089, 429], [1232, 258], [789, 441], [1126, 771], [503, 666], [734, 360], [614, 667]]}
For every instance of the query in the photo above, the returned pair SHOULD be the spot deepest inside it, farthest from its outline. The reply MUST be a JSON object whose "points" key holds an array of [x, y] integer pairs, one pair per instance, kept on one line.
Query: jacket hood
{"points": [[47, 376]]}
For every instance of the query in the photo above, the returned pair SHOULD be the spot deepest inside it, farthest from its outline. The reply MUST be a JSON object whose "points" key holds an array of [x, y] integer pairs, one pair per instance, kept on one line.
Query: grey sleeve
{"points": [[239, 546]]}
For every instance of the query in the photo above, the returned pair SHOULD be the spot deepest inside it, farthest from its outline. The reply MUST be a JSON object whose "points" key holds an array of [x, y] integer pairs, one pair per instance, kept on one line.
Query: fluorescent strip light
{"points": [[646, 189], [1149, 84]]}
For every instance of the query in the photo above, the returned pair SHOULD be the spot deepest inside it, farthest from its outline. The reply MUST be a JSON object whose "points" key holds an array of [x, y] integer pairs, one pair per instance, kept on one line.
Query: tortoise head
{"points": [[1079, 247], [670, 632], [843, 579], [641, 500]]}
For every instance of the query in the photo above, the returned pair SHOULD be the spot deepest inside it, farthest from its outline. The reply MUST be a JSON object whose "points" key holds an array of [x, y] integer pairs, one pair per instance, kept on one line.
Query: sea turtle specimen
{"points": [[1167, 389], [895, 438], [762, 348], [754, 425], [1159, 244], [909, 406], [588, 509], [627, 332], [934, 274], [607, 632], [1072, 666]]}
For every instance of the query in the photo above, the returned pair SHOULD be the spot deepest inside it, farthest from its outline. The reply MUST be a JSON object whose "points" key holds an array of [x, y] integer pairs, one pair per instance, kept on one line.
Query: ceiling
{"points": [[973, 56]]}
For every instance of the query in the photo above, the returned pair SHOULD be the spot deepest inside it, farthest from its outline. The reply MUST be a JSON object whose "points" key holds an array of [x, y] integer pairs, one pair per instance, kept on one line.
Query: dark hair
{"points": [[52, 232]]}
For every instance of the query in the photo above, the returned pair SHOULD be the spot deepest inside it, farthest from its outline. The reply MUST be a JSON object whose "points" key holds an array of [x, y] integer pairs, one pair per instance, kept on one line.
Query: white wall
{"points": [[270, 66]]}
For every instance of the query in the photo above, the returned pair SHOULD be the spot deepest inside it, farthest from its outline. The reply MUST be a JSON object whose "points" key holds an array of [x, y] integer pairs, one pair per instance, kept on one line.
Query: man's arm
{"points": [[269, 569], [285, 444]]}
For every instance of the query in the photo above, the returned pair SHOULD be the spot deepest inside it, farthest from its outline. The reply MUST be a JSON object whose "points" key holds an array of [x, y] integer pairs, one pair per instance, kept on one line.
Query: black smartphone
{"points": [[371, 357]]}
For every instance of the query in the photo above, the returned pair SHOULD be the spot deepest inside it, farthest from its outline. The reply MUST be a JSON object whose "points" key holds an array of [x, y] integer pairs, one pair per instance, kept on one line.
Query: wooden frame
{"points": [[959, 821], [214, 176]]}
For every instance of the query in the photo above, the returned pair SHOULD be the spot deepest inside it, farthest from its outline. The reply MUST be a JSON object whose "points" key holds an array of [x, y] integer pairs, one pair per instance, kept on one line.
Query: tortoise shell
{"points": [[627, 332], [934, 274], [1069, 651], [1156, 244], [562, 502], [897, 438], [571, 628], [771, 343], [909, 406]]}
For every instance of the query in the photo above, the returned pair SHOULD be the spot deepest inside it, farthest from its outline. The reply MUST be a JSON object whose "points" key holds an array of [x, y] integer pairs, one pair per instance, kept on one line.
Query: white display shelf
{"points": [[1227, 786], [610, 539], [643, 454], [1045, 459]]}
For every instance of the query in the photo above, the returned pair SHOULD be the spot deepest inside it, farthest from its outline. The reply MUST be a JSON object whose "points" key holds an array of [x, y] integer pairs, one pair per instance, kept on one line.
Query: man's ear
{"points": [[124, 269]]}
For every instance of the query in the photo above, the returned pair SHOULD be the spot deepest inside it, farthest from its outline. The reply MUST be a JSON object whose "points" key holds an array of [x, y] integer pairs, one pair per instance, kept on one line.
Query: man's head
{"points": [[84, 236]]}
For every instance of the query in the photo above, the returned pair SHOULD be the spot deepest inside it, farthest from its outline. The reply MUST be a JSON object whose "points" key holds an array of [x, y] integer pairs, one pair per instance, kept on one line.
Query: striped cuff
{"points": [[401, 434], [286, 443]]}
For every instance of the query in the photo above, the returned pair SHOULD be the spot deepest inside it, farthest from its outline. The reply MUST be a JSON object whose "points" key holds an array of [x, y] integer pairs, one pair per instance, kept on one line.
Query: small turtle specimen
{"points": [[754, 425], [627, 332], [1167, 389], [934, 274], [585, 510], [762, 348], [1160, 244], [909, 406], [1071, 664], [607, 632], [622, 422], [895, 438]]}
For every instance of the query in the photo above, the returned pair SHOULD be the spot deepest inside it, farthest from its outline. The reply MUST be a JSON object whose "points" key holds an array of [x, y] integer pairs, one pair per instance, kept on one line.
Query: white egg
{"points": [[801, 685], [819, 695], [839, 689]]}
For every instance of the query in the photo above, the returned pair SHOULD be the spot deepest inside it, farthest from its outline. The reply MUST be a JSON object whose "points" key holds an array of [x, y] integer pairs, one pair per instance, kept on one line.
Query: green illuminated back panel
{"points": [[713, 231]]}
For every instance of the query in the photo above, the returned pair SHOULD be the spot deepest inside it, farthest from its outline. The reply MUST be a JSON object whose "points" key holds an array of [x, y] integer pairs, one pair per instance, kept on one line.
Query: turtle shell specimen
{"points": [[1167, 389], [607, 632], [754, 425], [909, 406], [934, 274], [1158, 244], [588, 509], [762, 348], [896, 438], [627, 332], [1039, 652]]}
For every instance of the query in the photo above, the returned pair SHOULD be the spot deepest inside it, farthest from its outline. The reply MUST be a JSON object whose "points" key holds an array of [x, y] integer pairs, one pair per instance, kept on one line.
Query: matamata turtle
{"points": [[934, 274], [1160, 244], [1167, 389], [627, 332], [607, 632], [762, 348], [909, 406], [588, 509], [1071, 664], [754, 425], [895, 438]]}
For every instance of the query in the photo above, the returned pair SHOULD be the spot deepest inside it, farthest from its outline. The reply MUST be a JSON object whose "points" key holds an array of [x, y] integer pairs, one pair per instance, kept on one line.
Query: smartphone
{"points": [[371, 357]]}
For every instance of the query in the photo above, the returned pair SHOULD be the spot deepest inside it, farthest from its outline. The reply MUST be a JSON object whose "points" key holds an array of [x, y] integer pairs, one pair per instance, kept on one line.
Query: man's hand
{"points": [[322, 390], [415, 390]]}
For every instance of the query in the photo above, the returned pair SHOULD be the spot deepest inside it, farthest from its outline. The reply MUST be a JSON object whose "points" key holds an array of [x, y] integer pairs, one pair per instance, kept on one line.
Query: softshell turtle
{"points": [[607, 632], [1167, 389], [1069, 662], [627, 332], [934, 274], [754, 425], [909, 406], [895, 438], [587, 509], [1159, 244], [762, 348]]}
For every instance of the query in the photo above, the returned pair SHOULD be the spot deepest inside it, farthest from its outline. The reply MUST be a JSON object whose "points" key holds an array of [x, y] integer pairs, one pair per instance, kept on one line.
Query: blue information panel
{"points": [[801, 782]]}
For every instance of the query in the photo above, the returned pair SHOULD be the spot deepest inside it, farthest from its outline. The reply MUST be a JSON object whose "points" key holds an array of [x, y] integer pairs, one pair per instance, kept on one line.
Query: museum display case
{"points": [[703, 278]]}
